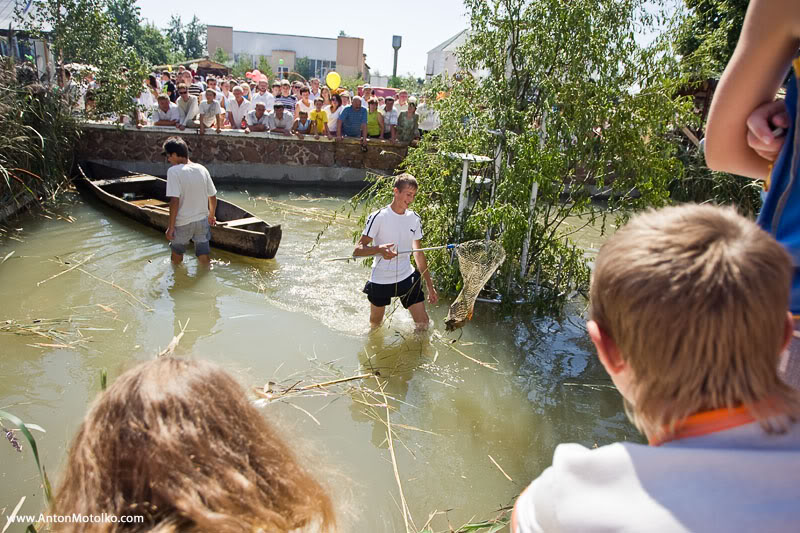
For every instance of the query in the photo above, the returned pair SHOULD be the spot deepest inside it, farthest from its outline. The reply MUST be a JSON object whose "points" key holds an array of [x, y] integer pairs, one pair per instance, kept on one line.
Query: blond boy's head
{"points": [[689, 309]]}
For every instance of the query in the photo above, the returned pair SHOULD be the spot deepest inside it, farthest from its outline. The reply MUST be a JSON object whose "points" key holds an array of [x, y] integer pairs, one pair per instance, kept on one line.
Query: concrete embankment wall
{"points": [[234, 155]]}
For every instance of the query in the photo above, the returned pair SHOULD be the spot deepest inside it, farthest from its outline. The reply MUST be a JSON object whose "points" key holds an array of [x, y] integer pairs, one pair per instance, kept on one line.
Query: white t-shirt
{"points": [[333, 118], [267, 98], [192, 184], [238, 111], [385, 226], [210, 112], [283, 123], [737, 480], [303, 107]]}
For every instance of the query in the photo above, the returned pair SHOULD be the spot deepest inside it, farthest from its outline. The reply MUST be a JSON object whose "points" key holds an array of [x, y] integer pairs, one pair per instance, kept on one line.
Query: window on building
{"points": [[283, 72]]}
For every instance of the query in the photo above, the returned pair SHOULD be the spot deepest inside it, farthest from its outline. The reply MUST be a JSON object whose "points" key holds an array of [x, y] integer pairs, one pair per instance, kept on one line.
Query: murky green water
{"points": [[285, 320]]}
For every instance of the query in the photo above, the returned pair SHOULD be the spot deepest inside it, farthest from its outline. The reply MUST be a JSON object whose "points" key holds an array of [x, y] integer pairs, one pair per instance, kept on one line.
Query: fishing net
{"points": [[478, 261]]}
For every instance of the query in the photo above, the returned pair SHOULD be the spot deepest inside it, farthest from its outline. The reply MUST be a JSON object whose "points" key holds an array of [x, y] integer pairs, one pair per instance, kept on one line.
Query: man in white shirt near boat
{"points": [[390, 231], [192, 203]]}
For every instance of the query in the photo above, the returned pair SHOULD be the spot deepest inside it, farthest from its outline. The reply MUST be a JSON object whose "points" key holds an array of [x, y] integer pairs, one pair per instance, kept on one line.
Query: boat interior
{"points": [[149, 192]]}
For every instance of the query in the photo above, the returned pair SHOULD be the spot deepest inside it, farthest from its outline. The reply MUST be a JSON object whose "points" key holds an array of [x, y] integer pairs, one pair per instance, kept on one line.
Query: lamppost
{"points": [[397, 41]]}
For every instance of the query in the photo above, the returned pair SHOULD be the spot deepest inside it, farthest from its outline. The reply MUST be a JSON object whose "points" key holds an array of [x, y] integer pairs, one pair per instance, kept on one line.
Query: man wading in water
{"points": [[393, 228], [192, 203]]}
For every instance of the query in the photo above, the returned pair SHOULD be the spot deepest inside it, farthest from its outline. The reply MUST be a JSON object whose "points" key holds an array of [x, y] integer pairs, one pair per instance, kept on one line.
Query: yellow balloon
{"points": [[333, 80]]}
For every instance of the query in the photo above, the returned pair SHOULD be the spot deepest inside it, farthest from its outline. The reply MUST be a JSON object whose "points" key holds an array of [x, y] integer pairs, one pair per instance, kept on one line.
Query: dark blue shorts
{"points": [[409, 291]]}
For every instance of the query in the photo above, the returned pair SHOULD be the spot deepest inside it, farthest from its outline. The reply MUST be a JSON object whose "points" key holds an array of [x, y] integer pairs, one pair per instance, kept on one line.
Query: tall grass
{"points": [[37, 138]]}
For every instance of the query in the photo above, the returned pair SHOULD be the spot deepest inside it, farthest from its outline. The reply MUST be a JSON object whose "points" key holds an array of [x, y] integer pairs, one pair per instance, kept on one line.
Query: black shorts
{"points": [[409, 291]]}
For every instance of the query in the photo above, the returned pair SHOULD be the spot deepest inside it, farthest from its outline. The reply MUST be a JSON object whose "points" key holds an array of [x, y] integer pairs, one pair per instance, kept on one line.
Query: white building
{"points": [[443, 57], [345, 55]]}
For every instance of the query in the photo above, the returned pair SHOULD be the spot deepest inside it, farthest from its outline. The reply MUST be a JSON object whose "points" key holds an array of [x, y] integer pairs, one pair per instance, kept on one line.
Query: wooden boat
{"points": [[144, 198]]}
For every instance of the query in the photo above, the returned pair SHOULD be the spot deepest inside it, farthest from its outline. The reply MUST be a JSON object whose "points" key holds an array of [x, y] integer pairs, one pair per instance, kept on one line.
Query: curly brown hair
{"points": [[177, 442]]}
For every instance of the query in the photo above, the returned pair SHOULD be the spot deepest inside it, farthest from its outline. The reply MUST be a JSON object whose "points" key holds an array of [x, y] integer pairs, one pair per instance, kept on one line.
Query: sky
{"points": [[422, 24]]}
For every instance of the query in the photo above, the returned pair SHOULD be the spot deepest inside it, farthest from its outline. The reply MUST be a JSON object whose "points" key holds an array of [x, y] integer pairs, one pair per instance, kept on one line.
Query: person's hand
{"points": [[202, 130], [219, 130], [247, 130], [181, 127], [386, 250], [433, 296], [316, 136], [760, 124], [170, 233], [212, 220]]}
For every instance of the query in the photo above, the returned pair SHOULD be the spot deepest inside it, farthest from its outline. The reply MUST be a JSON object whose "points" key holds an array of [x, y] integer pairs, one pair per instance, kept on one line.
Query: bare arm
{"points": [[422, 266], [363, 249], [767, 43], [174, 204], [212, 210]]}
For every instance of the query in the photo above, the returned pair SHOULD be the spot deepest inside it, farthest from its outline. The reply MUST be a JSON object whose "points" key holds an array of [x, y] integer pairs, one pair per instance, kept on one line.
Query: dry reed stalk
{"points": [[406, 511], [448, 344], [77, 265], [501, 469], [170, 349], [147, 307]]}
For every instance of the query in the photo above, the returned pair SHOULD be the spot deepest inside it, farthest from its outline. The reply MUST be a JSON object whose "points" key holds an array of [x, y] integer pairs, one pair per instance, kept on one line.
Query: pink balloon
{"points": [[248, 75], [256, 73], [264, 79]]}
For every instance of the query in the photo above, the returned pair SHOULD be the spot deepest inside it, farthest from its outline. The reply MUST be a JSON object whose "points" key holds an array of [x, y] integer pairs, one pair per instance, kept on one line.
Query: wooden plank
{"points": [[150, 202], [157, 207], [239, 222], [127, 179]]}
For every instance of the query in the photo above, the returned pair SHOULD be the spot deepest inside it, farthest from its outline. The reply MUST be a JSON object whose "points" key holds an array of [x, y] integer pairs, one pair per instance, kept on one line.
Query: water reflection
{"points": [[195, 299]]}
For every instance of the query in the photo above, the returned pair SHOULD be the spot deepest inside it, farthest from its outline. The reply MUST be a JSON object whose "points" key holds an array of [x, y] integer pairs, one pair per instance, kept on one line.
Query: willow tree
{"points": [[571, 107], [85, 31]]}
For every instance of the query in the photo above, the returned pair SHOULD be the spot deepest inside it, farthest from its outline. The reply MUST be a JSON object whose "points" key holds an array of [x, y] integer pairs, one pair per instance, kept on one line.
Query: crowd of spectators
{"points": [[182, 99]]}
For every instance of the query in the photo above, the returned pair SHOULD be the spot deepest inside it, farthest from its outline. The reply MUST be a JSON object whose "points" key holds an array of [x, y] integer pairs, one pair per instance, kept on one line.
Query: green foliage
{"points": [[127, 15], [83, 31], [699, 184], [153, 46], [582, 108], [188, 40], [265, 68], [244, 63], [195, 39], [351, 84], [302, 65], [24, 429], [410, 83], [221, 56], [37, 136], [708, 35], [176, 35]]}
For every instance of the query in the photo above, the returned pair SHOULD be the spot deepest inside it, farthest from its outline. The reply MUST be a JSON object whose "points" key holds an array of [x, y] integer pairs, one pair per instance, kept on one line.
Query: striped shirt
{"points": [[288, 103]]}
